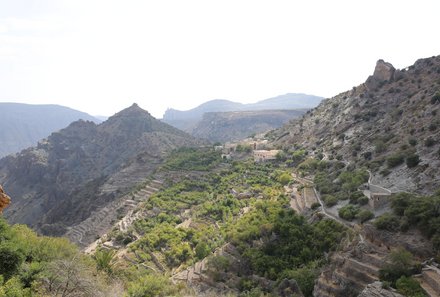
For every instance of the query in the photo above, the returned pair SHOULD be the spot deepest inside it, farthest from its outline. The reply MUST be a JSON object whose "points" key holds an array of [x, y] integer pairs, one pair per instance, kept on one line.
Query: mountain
{"points": [[85, 166], [187, 120], [389, 124], [23, 125], [237, 125]]}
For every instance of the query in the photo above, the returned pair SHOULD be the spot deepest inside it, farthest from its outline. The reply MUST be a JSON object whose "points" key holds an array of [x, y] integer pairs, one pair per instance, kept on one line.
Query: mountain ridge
{"points": [[84, 167], [23, 125], [187, 120]]}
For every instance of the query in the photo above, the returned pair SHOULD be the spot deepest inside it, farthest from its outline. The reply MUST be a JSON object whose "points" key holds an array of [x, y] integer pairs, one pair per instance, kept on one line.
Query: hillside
{"points": [[84, 167], [187, 120], [237, 125], [23, 125], [390, 123]]}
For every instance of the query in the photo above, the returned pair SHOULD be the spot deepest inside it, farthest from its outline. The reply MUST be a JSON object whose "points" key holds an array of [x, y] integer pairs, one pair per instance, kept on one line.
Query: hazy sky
{"points": [[101, 56]]}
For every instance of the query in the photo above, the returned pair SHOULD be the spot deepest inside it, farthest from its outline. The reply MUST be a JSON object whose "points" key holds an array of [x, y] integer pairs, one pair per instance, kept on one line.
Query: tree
{"points": [[284, 178], [70, 277], [400, 263], [202, 250], [10, 259]]}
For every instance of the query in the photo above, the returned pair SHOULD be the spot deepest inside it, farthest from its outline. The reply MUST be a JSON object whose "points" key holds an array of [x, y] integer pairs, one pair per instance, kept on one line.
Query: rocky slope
{"points": [[82, 168], [23, 125], [237, 125], [391, 118], [188, 120]]}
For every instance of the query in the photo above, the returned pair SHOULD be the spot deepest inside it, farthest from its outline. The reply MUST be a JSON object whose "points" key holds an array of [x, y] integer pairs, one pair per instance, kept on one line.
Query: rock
{"points": [[5, 200], [384, 71], [376, 290]]}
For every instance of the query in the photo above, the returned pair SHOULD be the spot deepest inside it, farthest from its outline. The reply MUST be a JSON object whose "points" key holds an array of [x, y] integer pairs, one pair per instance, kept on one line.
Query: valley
{"points": [[341, 201]]}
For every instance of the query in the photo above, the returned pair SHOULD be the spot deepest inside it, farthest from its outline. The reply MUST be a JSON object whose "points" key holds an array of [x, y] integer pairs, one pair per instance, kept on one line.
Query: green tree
{"points": [[409, 287], [202, 250], [10, 259]]}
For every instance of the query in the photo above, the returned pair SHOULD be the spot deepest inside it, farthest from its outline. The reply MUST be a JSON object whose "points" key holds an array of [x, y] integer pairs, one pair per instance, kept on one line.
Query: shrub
{"points": [[409, 287], [412, 160], [435, 98], [315, 205], [348, 212], [388, 222], [395, 160], [412, 141], [330, 200], [364, 215], [429, 141], [400, 263]]}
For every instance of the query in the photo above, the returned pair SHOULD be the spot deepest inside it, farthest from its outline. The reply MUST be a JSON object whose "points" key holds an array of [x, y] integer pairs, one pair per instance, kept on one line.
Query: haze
{"points": [[100, 56]]}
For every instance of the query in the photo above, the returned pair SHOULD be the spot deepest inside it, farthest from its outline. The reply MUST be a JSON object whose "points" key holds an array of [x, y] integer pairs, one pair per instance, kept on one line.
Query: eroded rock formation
{"points": [[5, 200]]}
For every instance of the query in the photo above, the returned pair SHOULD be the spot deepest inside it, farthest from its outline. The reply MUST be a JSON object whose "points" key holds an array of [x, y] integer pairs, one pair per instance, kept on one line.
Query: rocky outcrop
{"points": [[377, 290], [5, 200], [384, 72]]}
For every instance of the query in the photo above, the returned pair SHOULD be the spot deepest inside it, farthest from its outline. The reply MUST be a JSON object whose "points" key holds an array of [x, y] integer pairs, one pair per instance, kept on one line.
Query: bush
{"points": [[412, 141], [395, 160], [315, 205], [284, 178], [400, 263], [429, 141], [348, 212], [330, 200], [409, 287], [388, 222], [364, 215], [412, 160], [435, 98]]}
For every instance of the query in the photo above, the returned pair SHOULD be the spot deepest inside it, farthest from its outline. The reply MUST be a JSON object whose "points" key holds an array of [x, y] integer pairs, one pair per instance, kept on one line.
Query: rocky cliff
{"points": [[237, 125], [390, 124], [85, 166]]}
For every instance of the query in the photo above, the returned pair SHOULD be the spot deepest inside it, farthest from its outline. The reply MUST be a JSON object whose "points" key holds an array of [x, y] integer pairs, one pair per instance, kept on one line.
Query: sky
{"points": [[100, 56]]}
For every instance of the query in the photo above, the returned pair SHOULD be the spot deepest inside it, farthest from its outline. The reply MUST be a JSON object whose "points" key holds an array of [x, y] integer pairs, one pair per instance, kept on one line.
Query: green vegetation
{"points": [[400, 264], [348, 212], [411, 211], [412, 160], [193, 159], [395, 160], [409, 287], [31, 265]]}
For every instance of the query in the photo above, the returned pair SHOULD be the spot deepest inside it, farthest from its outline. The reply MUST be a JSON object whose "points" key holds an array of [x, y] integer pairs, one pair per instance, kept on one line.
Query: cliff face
{"points": [[395, 113], [232, 126], [84, 167]]}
